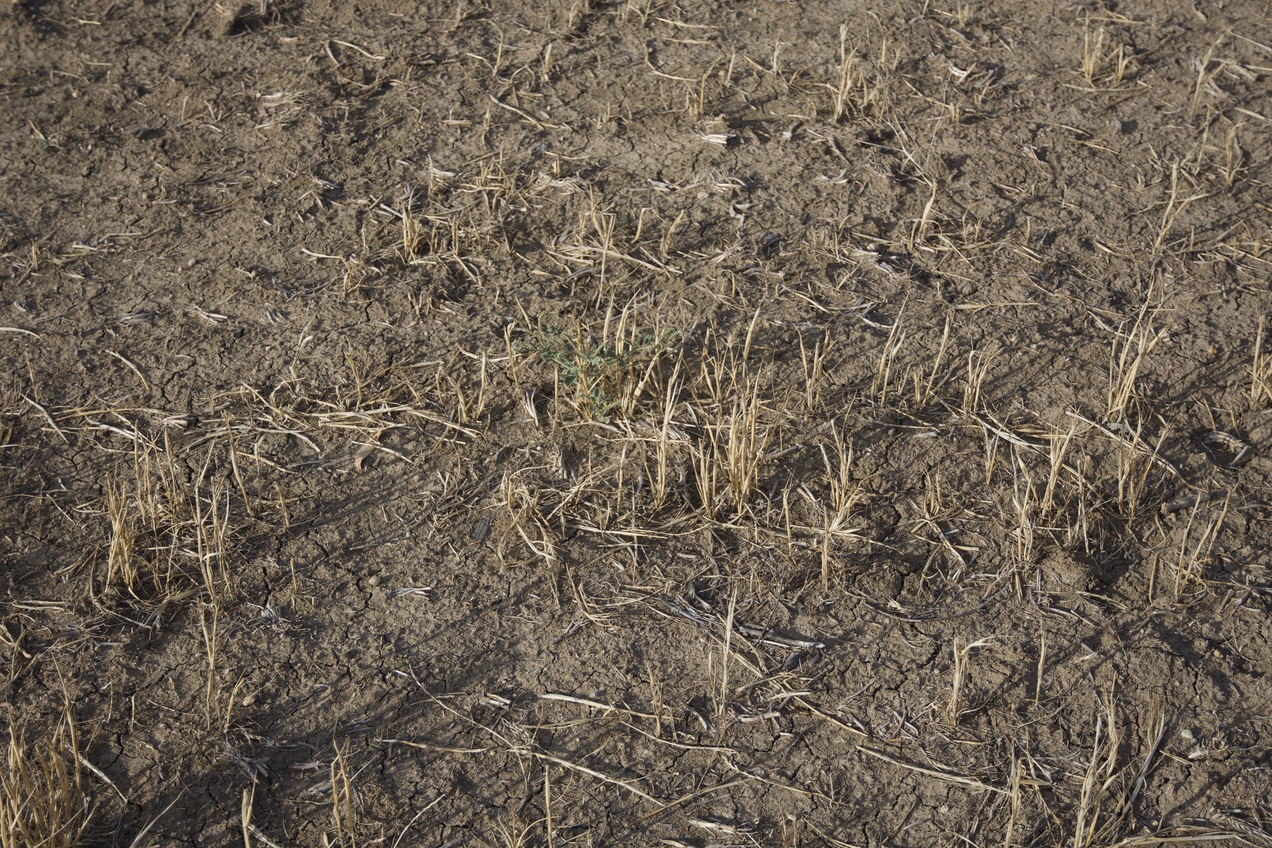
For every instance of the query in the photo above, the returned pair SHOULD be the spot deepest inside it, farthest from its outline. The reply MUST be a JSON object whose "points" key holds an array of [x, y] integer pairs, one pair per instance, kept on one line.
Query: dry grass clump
{"points": [[601, 375], [694, 422], [728, 409], [43, 803], [170, 534], [1106, 60], [862, 87], [1130, 348]]}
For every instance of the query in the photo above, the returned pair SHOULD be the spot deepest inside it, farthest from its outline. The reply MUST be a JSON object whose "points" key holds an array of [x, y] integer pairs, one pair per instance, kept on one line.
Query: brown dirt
{"points": [[422, 423]]}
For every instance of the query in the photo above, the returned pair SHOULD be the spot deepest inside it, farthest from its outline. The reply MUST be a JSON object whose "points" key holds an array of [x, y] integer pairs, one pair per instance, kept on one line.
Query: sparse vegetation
{"points": [[634, 423], [608, 376]]}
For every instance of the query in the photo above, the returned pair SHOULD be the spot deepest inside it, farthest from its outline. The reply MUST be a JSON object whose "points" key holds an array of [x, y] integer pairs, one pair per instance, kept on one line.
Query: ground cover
{"points": [[607, 423]]}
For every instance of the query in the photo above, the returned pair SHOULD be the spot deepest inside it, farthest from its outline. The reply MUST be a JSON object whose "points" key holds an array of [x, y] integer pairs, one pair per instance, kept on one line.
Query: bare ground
{"points": [[608, 423]]}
